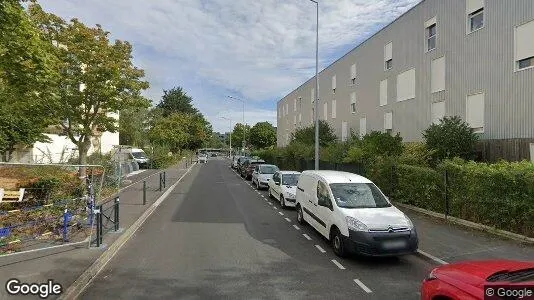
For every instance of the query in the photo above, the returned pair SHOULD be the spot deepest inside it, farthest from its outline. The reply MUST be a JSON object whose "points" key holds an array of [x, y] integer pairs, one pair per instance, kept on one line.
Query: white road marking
{"points": [[275, 207], [270, 203], [263, 196], [296, 227], [363, 286], [320, 249], [281, 213], [287, 219], [432, 257], [338, 264], [307, 236]]}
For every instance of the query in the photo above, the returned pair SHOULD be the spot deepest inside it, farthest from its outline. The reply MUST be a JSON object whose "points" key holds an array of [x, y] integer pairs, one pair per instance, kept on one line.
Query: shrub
{"points": [[373, 145], [419, 186], [452, 137], [306, 135], [416, 154]]}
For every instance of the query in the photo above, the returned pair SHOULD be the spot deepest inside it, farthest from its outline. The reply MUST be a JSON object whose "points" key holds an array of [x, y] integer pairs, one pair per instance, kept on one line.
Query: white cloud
{"points": [[259, 50]]}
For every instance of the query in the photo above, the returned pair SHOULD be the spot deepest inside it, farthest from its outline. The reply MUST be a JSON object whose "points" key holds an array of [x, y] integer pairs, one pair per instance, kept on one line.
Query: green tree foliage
{"points": [[237, 135], [133, 124], [262, 135], [176, 100], [452, 137], [180, 131], [374, 144], [27, 71], [97, 78], [215, 142], [306, 135]]}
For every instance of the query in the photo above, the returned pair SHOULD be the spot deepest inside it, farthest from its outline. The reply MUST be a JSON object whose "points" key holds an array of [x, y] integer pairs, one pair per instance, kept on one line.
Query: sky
{"points": [[256, 51]]}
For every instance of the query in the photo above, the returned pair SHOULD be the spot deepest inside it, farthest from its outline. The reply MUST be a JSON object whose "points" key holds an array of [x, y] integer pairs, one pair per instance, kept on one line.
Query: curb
{"points": [[469, 224], [79, 285]]}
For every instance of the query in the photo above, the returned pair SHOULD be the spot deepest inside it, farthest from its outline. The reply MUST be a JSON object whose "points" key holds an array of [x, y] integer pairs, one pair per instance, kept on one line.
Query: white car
{"points": [[202, 158], [283, 187], [262, 174], [352, 212]]}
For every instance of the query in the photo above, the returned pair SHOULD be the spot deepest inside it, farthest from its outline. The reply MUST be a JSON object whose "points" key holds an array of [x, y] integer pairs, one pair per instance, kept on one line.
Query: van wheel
{"points": [[282, 202], [338, 243], [270, 195], [300, 216]]}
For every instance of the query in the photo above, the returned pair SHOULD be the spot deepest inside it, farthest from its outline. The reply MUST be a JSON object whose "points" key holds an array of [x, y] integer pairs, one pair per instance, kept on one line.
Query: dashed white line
{"points": [[307, 236], [340, 266], [363, 286], [432, 257], [281, 213], [296, 227], [320, 249], [287, 219], [270, 203], [275, 207]]}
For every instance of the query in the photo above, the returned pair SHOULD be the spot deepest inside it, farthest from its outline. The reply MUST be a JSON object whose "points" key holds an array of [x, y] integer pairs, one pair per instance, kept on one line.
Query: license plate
{"points": [[394, 244]]}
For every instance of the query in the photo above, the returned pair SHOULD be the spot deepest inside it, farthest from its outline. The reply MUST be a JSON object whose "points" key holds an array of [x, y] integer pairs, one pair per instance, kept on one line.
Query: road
{"points": [[217, 237]]}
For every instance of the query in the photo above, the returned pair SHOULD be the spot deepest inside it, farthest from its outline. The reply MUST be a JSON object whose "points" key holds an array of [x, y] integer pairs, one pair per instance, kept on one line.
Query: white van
{"points": [[353, 214]]}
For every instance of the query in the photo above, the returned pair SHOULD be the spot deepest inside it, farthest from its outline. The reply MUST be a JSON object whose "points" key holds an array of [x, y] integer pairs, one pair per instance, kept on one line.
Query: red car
{"points": [[470, 280]]}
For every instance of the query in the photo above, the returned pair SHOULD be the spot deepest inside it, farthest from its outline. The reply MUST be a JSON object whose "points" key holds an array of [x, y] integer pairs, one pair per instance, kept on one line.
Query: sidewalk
{"points": [[454, 243], [65, 264]]}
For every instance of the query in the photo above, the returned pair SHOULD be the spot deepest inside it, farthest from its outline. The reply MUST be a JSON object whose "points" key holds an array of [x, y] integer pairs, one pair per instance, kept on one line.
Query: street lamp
{"points": [[317, 88], [230, 134], [244, 124]]}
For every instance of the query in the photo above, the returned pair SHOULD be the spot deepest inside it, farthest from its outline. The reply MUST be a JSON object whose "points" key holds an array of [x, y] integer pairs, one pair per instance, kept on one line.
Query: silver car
{"points": [[262, 174], [202, 158]]}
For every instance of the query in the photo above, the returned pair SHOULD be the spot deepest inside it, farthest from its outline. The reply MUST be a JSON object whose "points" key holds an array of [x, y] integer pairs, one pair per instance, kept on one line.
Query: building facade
{"points": [[470, 58]]}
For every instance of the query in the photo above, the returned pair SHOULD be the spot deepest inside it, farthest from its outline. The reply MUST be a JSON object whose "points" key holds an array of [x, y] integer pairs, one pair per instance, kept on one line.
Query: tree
{"points": [[133, 124], [452, 137], [262, 135], [373, 145], [306, 135], [237, 135], [171, 132], [176, 100], [27, 73], [97, 78], [215, 141]]}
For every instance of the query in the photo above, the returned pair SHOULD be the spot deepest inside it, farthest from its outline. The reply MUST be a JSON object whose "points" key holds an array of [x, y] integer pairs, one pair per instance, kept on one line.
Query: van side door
{"points": [[324, 208]]}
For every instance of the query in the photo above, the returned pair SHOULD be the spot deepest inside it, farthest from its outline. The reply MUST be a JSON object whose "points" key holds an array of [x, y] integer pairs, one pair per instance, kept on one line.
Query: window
{"points": [[322, 194], [475, 112], [383, 92], [312, 115], [475, 15], [334, 110], [388, 121], [437, 111], [325, 110], [353, 73], [363, 127], [287, 108], [388, 56], [524, 46], [353, 102], [295, 105], [295, 120], [406, 85], [344, 131], [437, 74], [431, 34], [334, 84], [300, 119], [290, 179]]}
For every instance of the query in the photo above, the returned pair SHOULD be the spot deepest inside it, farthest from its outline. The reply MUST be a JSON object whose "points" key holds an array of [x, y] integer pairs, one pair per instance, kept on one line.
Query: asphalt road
{"points": [[217, 237]]}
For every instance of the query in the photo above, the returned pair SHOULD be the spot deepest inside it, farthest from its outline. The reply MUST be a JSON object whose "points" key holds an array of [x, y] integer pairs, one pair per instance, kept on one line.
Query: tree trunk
{"points": [[83, 148]]}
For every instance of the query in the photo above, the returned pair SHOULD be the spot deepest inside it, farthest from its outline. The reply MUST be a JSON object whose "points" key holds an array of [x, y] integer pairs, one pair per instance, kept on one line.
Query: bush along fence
{"points": [[499, 195]]}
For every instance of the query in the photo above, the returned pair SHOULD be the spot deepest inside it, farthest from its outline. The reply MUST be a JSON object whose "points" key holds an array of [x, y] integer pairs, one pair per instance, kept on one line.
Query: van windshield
{"points": [[358, 195], [139, 155]]}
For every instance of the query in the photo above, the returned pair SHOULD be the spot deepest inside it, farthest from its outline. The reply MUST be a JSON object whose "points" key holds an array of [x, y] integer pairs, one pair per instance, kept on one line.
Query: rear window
{"points": [[268, 169]]}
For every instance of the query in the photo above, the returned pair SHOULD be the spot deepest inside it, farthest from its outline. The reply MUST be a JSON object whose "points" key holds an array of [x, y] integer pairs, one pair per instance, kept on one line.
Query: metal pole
{"points": [[65, 225], [160, 181], [447, 205], [244, 128], [317, 90], [116, 220], [144, 192], [164, 178]]}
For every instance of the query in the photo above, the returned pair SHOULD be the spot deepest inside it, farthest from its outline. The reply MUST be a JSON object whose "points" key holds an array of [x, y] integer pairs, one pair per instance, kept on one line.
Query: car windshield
{"points": [[139, 155], [290, 179], [268, 169], [358, 195]]}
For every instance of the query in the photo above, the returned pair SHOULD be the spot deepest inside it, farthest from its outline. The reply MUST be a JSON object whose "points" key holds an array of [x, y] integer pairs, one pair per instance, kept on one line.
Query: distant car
{"points": [[470, 280], [213, 154], [240, 162], [234, 162], [353, 214], [283, 187], [248, 167], [262, 175], [202, 158]]}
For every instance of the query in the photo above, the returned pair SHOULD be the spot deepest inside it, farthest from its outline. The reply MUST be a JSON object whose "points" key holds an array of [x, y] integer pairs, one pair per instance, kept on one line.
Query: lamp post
{"points": [[228, 119], [244, 124], [316, 88]]}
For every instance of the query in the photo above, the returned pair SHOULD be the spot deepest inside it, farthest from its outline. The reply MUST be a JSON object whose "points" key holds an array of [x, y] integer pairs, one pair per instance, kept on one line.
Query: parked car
{"points": [[353, 214], [202, 158], [283, 187], [234, 161], [262, 175], [248, 167], [471, 280], [240, 162]]}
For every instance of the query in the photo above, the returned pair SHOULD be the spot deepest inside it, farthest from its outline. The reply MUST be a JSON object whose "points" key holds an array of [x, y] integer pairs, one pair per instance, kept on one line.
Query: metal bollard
{"points": [[116, 217], [144, 192], [160, 182], [65, 225], [164, 178], [99, 226]]}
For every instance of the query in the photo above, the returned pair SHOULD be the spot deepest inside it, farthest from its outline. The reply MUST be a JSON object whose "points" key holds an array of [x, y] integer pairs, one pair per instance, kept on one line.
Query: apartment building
{"points": [[471, 58]]}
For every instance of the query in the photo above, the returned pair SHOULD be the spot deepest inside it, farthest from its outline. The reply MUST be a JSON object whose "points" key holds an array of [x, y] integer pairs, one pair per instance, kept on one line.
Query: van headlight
{"points": [[410, 224], [355, 225]]}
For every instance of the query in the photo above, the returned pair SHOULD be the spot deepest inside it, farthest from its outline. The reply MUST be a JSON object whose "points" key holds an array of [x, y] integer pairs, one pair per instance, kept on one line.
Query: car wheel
{"points": [[300, 216], [270, 194], [282, 201], [338, 243]]}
